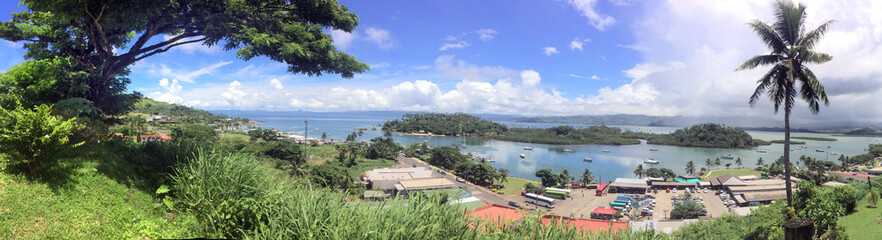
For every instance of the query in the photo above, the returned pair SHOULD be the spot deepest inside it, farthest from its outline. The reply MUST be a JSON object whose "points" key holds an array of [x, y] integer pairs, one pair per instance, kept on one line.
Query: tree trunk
{"points": [[787, 151], [798, 229]]}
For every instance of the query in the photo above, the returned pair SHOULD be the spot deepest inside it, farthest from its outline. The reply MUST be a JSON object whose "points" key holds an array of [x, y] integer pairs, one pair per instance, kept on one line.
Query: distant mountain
{"points": [[747, 123], [866, 131]]}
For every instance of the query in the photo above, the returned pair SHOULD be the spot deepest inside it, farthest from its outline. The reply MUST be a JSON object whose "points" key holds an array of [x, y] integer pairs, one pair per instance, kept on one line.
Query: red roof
{"points": [[860, 175], [496, 212], [163, 137], [588, 225], [607, 211]]}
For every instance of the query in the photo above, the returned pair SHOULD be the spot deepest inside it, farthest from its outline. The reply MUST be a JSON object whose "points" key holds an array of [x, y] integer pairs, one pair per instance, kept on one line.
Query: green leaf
{"points": [[162, 189]]}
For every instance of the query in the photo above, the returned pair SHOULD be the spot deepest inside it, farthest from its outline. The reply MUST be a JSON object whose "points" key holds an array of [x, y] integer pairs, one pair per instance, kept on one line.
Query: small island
{"points": [[460, 124]]}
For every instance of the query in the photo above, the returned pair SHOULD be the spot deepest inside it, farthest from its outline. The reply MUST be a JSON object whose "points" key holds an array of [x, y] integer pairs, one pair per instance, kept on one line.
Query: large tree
{"points": [[639, 172], [587, 177], [103, 38], [791, 47], [690, 168]]}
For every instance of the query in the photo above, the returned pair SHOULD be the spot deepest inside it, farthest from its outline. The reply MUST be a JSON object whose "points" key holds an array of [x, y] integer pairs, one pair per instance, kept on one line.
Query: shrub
{"points": [[194, 131], [687, 210], [34, 138], [330, 175]]}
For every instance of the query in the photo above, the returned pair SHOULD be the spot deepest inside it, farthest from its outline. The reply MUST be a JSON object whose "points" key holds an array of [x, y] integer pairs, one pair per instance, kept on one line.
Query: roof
{"points": [[727, 180], [765, 182], [704, 183], [652, 179], [608, 211], [687, 176], [426, 183], [766, 188], [764, 196], [856, 176], [588, 225], [163, 137], [398, 173], [674, 184], [833, 184], [630, 180], [629, 185], [748, 177], [496, 213]]}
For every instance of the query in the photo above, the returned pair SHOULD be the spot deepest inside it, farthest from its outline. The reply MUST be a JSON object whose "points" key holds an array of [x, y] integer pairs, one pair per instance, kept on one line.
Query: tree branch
{"points": [[169, 47]]}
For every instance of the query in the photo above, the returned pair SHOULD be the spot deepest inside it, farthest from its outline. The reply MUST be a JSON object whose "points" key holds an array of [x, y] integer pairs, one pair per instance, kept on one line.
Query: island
{"points": [[459, 124]]}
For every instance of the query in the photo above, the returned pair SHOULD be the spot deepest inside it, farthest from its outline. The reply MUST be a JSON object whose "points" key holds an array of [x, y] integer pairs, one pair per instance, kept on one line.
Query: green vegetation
{"points": [[813, 138], [863, 223], [867, 131], [687, 210], [479, 173], [762, 223], [199, 132], [34, 138], [702, 135], [513, 184], [735, 172]]}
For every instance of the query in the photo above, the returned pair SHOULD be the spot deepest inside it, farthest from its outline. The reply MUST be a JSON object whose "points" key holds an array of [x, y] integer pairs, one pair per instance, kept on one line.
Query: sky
{"points": [[568, 57]]}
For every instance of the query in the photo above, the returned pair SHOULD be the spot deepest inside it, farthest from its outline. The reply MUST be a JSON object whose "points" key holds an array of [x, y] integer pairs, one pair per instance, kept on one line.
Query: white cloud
{"points": [[595, 77], [530, 78], [448, 66], [183, 75], [170, 93], [577, 44], [586, 8], [548, 51], [642, 70], [381, 37], [275, 83], [460, 44], [343, 39], [191, 48], [486, 34]]}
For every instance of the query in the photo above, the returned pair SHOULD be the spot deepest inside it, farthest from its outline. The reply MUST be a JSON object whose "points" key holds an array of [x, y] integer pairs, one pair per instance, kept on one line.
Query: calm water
{"points": [[620, 161]]}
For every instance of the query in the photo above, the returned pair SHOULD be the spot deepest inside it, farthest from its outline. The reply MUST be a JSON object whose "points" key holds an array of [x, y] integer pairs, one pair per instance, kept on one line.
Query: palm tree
{"points": [[639, 171], [791, 47], [503, 175], [690, 168], [738, 161], [717, 162], [708, 163], [587, 177], [565, 177], [759, 162]]}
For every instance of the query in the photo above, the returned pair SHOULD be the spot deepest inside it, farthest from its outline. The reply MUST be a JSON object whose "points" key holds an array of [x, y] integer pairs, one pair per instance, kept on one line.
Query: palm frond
{"points": [[755, 61], [812, 90], [765, 84], [812, 37], [790, 17], [810, 56], [769, 36]]}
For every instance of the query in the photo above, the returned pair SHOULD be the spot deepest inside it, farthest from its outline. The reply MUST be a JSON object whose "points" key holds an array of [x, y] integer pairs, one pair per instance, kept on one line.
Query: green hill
{"points": [[867, 131]]}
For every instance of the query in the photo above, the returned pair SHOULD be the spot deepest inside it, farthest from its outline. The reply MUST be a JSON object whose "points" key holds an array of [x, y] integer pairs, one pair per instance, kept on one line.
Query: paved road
{"points": [[477, 191]]}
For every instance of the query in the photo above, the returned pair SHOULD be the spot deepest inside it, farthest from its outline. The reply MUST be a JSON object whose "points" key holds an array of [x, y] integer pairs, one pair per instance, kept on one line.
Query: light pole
{"points": [[305, 136]]}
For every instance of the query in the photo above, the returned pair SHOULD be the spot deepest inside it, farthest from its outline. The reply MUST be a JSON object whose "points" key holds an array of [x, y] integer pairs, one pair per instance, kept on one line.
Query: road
{"points": [[477, 191]]}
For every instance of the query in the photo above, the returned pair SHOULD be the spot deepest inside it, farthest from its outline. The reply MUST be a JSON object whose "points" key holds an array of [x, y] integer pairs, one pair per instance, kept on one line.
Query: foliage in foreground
{"points": [[34, 138]]}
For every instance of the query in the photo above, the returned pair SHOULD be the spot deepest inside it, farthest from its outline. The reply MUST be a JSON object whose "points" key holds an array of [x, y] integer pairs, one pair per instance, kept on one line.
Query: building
{"points": [[386, 178], [628, 185], [673, 185], [603, 213], [419, 185], [158, 118], [725, 181], [502, 216], [155, 138], [848, 177], [497, 215]]}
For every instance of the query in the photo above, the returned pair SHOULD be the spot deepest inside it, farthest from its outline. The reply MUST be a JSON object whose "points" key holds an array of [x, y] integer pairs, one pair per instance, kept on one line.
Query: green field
{"points": [[515, 183], [736, 172], [234, 136], [865, 223]]}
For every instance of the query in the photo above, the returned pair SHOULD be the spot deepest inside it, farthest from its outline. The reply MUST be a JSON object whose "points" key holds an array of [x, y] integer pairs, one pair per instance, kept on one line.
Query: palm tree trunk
{"points": [[787, 151]]}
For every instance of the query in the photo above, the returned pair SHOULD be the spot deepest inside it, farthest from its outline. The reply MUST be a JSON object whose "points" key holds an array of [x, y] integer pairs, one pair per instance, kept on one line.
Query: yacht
{"points": [[567, 150], [819, 150], [523, 156], [651, 161], [587, 159], [653, 149], [528, 148], [764, 151], [727, 156], [834, 153], [605, 150]]}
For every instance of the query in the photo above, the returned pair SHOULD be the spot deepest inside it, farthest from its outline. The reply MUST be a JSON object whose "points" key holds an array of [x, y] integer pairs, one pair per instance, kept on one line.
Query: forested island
{"points": [[700, 135]]}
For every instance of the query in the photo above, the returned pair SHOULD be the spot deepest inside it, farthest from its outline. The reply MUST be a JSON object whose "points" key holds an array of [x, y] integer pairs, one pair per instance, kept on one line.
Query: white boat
{"points": [[605, 150], [727, 156], [528, 148], [651, 161], [567, 150], [653, 149], [834, 153], [764, 151], [587, 159], [523, 156]]}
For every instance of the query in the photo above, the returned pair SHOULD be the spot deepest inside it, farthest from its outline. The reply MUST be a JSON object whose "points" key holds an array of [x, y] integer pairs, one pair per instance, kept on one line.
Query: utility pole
{"points": [[305, 136]]}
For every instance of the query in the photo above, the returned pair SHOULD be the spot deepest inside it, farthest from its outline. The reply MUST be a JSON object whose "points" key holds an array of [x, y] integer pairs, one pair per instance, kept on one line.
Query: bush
{"points": [[687, 210], [330, 175], [194, 132], [34, 138]]}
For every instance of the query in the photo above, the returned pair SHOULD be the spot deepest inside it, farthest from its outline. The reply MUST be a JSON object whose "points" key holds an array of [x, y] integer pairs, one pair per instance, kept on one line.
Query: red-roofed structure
{"points": [[155, 138], [588, 225], [847, 177], [501, 216], [603, 213], [498, 215]]}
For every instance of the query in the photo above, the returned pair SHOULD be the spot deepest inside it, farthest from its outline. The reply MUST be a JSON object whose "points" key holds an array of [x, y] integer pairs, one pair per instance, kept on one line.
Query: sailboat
{"points": [[523, 156], [605, 150], [528, 148], [567, 150], [653, 149], [727, 156], [651, 161]]}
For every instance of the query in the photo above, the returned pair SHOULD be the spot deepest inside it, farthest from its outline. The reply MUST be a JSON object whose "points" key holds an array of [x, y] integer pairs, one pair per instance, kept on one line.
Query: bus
{"points": [[560, 190], [619, 204], [539, 200], [555, 194], [601, 189]]}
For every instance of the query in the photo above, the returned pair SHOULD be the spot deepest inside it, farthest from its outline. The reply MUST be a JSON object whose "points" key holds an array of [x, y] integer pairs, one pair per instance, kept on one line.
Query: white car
{"points": [[460, 180], [705, 190], [674, 190]]}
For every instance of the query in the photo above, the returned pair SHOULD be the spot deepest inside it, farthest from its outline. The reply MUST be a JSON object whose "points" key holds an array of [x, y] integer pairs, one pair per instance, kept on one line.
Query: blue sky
{"points": [[569, 57]]}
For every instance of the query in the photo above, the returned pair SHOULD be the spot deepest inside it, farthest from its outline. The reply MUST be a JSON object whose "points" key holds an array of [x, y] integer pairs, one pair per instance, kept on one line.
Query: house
{"points": [[157, 118], [848, 177], [386, 178], [418, 185], [628, 185], [500, 216], [155, 138]]}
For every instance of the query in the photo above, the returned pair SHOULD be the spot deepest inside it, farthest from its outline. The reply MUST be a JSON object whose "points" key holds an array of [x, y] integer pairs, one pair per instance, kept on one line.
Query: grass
{"points": [[737, 172], [90, 205], [814, 138], [234, 136], [322, 153], [864, 223], [515, 183]]}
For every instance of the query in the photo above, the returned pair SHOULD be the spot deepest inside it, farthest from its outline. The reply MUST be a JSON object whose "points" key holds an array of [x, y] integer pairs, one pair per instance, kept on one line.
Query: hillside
{"points": [[178, 113], [867, 131]]}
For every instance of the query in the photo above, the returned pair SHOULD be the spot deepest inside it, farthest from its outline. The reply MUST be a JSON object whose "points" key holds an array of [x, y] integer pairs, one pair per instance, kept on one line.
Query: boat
{"points": [[605, 150], [587, 159], [528, 148], [727, 156], [651, 161], [523, 156], [653, 149], [567, 150], [819, 150], [764, 151], [834, 153]]}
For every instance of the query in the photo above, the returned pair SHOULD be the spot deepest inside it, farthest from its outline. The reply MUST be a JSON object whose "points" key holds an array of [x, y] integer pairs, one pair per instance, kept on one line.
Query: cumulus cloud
{"points": [[275, 83], [459, 44], [486, 34], [586, 8], [170, 91], [343, 39], [577, 44], [447, 66], [381, 37], [530, 77], [548, 51]]}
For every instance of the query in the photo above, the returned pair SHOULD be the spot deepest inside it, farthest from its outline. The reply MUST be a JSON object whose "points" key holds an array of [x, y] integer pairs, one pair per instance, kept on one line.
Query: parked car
{"points": [[460, 180], [705, 190], [674, 190], [514, 204]]}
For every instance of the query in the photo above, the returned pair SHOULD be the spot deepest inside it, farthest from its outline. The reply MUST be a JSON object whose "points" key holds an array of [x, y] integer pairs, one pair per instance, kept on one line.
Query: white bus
{"points": [[539, 200], [560, 190]]}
